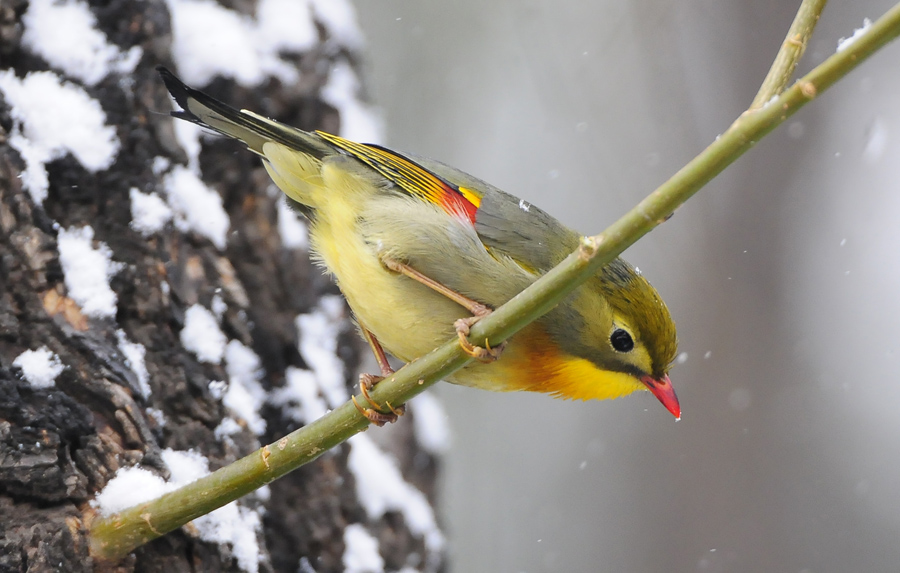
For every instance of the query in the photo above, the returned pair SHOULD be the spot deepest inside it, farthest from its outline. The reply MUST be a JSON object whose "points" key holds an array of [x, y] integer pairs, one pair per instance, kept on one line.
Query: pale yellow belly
{"points": [[408, 318]]}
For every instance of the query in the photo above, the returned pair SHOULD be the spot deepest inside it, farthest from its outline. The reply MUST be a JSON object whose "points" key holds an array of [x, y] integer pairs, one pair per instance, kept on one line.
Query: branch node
{"points": [[264, 454], [808, 89], [588, 247], [146, 518]]}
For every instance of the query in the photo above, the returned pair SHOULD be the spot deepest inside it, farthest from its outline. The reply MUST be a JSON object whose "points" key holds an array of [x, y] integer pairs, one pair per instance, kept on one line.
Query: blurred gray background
{"points": [[783, 276]]}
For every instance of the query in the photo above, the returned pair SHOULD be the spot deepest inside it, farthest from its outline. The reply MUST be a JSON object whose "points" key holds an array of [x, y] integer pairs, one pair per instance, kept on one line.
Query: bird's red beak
{"points": [[664, 392]]}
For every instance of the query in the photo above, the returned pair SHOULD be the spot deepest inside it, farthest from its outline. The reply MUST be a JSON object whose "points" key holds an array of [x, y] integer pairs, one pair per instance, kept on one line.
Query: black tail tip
{"points": [[180, 92]]}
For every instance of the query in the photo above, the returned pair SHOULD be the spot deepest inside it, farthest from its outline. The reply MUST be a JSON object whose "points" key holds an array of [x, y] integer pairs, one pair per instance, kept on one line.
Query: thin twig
{"points": [[117, 535], [790, 53]]}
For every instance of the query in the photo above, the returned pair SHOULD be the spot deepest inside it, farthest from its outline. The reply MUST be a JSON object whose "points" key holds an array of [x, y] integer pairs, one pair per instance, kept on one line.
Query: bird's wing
{"points": [[529, 235], [511, 226], [404, 172], [505, 224]]}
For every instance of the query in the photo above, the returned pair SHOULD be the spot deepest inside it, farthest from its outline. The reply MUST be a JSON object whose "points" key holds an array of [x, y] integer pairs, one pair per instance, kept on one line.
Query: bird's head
{"points": [[619, 325]]}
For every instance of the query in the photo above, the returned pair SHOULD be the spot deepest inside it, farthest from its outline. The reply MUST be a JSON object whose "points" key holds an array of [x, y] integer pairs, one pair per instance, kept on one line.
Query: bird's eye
{"points": [[621, 340]]}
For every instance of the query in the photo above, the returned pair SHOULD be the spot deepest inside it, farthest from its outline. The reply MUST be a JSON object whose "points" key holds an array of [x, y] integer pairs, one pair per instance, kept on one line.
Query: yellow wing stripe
{"points": [[411, 177], [471, 196]]}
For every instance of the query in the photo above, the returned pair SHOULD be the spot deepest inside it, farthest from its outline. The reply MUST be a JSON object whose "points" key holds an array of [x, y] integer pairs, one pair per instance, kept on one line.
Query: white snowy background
{"points": [[782, 275]]}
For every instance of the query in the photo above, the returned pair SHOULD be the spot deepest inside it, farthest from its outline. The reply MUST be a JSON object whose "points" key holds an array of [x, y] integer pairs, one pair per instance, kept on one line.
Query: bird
{"points": [[421, 251]]}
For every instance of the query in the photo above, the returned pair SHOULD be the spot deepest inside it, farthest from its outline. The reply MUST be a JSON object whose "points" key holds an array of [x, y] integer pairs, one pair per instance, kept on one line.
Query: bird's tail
{"points": [[253, 129]]}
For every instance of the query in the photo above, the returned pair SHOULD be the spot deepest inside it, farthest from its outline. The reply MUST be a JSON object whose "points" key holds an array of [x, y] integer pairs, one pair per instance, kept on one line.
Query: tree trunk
{"points": [[77, 402]]}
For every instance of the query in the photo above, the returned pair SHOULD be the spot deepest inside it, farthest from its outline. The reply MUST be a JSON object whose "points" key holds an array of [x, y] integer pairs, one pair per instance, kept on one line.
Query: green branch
{"points": [[117, 535]]}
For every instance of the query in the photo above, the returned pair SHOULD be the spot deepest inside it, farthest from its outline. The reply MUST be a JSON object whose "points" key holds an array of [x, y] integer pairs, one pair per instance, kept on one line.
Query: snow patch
{"points": [[185, 466], [430, 423], [188, 135], [129, 487], [245, 395], [65, 34], [285, 26], [217, 388], [299, 398], [232, 524], [380, 488], [149, 213], [845, 43], [238, 526], [134, 358], [218, 305], [161, 164], [39, 367], [157, 415], [202, 336], [318, 347], [197, 207], [339, 20], [210, 40], [227, 427], [87, 271], [361, 553], [292, 229], [51, 119]]}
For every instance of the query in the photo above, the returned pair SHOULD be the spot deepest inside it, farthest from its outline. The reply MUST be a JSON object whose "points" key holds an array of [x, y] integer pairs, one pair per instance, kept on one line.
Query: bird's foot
{"points": [[380, 418], [484, 354], [375, 413]]}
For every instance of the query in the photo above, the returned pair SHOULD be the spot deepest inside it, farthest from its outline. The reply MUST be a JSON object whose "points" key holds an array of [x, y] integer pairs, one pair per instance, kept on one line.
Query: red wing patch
{"points": [[412, 177]]}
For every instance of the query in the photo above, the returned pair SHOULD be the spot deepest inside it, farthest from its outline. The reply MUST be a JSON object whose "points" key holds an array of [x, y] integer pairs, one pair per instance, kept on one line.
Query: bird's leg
{"points": [[368, 381], [478, 310]]}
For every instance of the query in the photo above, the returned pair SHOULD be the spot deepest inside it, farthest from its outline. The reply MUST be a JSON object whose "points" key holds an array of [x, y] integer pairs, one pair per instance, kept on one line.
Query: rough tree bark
{"points": [[60, 445]]}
